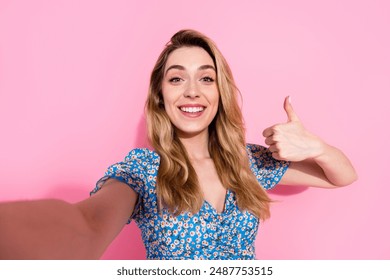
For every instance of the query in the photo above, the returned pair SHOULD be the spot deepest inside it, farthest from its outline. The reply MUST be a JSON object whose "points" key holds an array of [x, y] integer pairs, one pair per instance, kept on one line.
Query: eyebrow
{"points": [[180, 67]]}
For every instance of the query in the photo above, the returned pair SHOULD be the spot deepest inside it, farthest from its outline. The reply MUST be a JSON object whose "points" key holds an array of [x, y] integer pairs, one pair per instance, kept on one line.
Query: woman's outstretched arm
{"points": [[54, 229], [313, 162]]}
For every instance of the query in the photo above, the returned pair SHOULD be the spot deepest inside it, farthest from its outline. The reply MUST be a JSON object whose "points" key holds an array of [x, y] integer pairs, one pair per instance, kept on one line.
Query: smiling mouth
{"points": [[192, 109]]}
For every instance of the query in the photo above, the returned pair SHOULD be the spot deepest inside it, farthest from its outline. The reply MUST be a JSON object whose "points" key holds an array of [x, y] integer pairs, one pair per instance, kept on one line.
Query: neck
{"points": [[197, 146]]}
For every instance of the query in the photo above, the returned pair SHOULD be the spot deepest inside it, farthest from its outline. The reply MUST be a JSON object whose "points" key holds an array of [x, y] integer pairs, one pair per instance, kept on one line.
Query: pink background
{"points": [[74, 77]]}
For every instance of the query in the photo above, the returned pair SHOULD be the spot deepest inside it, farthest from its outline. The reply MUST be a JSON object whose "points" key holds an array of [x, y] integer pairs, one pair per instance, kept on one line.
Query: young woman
{"points": [[201, 193]]}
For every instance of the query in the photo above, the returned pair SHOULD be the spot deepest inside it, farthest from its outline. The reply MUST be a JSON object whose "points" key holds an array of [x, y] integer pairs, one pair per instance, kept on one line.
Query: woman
{"points": [[201, 193]]}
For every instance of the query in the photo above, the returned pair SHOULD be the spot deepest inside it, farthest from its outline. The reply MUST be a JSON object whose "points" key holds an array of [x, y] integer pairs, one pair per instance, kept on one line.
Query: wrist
{"points": [[322, 152], [319, 148]]}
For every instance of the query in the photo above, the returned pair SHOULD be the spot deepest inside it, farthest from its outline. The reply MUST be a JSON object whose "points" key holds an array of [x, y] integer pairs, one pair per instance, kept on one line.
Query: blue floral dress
{"points": [[204, 235]]}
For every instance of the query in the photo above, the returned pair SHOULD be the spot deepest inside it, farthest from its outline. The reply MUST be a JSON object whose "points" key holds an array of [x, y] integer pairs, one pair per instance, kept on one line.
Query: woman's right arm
{"points": [[54, 229]]}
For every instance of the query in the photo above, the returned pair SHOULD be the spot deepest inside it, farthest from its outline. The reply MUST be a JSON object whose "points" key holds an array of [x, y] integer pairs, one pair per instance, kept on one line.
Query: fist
{"points": [[291, 141]]}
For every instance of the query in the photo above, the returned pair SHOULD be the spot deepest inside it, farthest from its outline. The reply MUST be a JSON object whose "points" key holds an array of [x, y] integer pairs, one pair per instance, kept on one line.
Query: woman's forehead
{"points": [[189, 57]]}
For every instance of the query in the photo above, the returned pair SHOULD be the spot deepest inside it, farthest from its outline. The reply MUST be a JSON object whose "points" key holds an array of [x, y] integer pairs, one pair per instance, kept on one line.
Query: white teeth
{"points": [[192, 109]]}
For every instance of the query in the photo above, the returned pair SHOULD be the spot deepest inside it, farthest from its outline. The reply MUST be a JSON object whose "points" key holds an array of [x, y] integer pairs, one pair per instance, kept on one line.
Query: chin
{"points": [[191, 133]]}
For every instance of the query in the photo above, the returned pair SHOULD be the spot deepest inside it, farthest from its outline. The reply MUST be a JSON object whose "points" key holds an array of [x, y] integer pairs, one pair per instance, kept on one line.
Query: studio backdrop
{"points": [[74, 78]]}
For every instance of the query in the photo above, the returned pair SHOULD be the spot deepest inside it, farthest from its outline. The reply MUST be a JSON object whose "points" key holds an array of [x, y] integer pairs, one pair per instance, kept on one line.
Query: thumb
{"points": [[291, 116]]}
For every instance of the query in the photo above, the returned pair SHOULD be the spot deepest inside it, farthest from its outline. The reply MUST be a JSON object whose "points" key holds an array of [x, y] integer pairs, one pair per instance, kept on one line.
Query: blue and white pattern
{"points": [[204, 235]]}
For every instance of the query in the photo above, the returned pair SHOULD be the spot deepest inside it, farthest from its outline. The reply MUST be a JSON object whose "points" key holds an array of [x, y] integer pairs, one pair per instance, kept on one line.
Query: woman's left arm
{"points": [[313, 162]]}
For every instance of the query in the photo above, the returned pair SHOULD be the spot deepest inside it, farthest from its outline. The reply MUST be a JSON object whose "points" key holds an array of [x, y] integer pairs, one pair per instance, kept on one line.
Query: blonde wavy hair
{"points": [[177, 183]]}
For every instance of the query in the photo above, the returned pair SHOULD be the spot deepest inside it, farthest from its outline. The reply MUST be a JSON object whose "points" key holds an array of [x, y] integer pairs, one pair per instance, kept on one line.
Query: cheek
{"points": [[169, 104], [216, 98], [215, 101], [168, 100], [169, 94], [165, 96]]}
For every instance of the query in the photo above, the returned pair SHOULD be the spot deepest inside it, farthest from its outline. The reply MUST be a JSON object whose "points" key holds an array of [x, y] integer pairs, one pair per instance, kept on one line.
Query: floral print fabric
{"points": [[204, 235]]}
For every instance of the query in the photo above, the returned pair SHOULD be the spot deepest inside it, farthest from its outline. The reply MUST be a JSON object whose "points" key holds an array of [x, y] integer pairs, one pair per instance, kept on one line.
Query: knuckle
{"points": [[275, 156], [276, 128], [283, 155], [279, 146]]}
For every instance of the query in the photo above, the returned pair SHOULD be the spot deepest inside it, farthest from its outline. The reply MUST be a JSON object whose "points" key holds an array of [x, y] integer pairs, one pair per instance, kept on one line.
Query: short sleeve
{"points": [[268, 171], [131, 171]]}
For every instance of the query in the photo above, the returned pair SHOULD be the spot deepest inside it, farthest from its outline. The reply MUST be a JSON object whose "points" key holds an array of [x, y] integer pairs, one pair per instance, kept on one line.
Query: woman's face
{"points": [[190, 91]]}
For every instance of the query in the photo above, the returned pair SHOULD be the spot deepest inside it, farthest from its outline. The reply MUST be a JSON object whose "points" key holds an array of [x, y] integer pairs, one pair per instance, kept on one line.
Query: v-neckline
{"points": [[224, 204]]}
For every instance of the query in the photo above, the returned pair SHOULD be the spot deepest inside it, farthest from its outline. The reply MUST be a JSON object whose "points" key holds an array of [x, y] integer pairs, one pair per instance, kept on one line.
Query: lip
{"points": [[191, 105]]}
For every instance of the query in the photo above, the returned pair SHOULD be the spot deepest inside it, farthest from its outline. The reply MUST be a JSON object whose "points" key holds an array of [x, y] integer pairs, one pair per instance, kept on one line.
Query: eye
{"points": [[207, 79], [174, 80]]}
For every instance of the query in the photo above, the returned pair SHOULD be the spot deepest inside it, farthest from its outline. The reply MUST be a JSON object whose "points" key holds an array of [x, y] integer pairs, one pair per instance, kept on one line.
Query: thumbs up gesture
{"points": [[291, 141]]}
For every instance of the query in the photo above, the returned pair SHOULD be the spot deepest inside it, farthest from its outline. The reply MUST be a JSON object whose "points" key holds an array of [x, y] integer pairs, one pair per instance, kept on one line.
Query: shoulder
{"points": [[253, 148], [258, 155], [268, 171], [262, 157], [136, 166], [138, 170], [138, 163], [256, 151], [142, 156]]}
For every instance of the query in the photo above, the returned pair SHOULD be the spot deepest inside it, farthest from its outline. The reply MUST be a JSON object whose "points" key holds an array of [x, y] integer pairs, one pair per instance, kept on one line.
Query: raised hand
{"points": [[291, 141]]}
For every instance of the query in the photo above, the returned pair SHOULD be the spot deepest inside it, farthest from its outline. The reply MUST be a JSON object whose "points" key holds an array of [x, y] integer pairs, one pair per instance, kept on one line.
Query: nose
{"points": [[192, 90]]}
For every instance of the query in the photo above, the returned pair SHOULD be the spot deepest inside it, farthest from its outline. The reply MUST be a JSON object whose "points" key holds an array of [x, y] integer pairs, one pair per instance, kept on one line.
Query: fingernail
{"points": [[289, 99]]}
